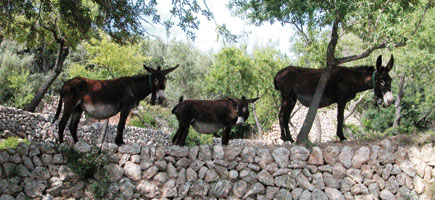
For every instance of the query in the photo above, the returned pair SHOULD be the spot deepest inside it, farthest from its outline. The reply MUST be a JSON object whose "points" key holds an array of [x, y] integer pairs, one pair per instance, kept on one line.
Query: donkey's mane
{"points": [[362, 68]]}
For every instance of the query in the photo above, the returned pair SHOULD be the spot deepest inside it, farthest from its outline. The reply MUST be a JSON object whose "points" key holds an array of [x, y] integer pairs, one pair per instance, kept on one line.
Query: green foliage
{"points": [[154, 117], [85, 165], [15, 81], [12, 142], [195, 139], [106, 59], [99, 188]]}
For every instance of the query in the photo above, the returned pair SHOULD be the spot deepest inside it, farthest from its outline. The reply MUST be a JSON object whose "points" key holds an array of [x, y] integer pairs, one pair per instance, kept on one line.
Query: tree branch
{"points": [[353, 107]]}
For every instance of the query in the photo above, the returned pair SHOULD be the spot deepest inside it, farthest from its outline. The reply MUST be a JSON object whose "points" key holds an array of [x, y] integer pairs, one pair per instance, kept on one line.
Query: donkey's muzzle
{"points": [[240, 121]]}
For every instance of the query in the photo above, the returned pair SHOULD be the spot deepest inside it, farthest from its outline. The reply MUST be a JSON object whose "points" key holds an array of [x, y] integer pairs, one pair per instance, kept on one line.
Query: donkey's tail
{"points": [[179, 101], [59, 108]]}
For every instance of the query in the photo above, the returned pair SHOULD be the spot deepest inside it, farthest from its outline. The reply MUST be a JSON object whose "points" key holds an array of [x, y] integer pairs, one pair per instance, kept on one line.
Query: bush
{"points": [[12, 142], [154, 117]]}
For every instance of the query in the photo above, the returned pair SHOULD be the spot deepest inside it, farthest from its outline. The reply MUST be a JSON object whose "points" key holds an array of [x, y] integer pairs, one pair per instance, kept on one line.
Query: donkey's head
{"points": [[382, 82], [242, 108], [157, 80]]}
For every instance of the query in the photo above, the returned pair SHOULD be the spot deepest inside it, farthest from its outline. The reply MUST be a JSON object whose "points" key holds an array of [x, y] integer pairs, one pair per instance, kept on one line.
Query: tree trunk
{"points": [[260, 130], [61, 56], [397, 114], [321, 85], [319, 129]]}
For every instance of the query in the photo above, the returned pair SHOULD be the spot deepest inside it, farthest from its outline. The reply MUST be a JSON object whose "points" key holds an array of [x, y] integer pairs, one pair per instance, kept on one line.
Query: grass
{"points": [[12, 142]]}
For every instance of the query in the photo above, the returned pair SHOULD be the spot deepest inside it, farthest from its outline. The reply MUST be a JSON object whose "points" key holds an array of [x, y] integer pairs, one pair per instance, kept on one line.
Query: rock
{"points": [[338, 171], [256, 188], [148, 189], [204, 152], [392, 185], [34, 187], [296, 193], [135, 159], [4, 157], [240, 188], [330, 154], [110, 148], [181, 178], [40, 173], [366, 171], [193, 152], [220, 189], [178, 151], [271, 192], [283, 194], [83, 147], [169, 190], [6, 197], [183, 190], [133, 171], [329, 180], [359, 189], [264, 158], [355, 174], [218, 152], [198, 189], [418, 184], [360, 157], [281, 156], [66, 174], [55, 186], [150, 172], [325, 168], [126, 188], [172, 171], [316, 157], [191, 175], [303, 180], [346, 184], [248, 176], [202, 172], [319, 195], [22, 149], [266, 178], [182, 163], [248, 155], [233, 175], [57, 159], [333, 193], [160, 152], [318, 181], [160, 178], [306, 195], [387, 195], [160, 164], [283, 181], [299, 153], [374, 190], [345, 156]]}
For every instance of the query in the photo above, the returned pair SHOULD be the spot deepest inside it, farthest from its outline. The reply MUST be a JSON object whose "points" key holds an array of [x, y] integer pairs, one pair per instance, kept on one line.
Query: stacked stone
{"points": [[380, 171], [38, 127]]}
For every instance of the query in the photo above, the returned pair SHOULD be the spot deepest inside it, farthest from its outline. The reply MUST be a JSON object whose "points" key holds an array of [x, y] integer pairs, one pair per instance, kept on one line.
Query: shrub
{"points": [[12, 142]]}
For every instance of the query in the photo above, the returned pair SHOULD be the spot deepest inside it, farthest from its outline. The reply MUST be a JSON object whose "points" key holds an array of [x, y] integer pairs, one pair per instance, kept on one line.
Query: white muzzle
{"points": [[240, 121], [388, 98], [160, 94]]}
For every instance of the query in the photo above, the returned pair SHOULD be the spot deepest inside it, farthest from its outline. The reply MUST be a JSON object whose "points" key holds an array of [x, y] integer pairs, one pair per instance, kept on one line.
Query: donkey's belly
{"points": [[207, 128], [101, 111]]}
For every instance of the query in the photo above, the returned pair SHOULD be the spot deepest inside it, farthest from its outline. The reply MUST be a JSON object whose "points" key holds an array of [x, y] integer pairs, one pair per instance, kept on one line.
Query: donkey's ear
{"points": [[252, 100], [390, 63], [167, 71], [230, 99], [149, 69], [379, 63]]}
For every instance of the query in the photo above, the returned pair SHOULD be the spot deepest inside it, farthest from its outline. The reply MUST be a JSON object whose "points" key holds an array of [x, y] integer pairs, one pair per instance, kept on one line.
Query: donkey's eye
{"points": [[156, 81], [382, 82], [244, 109]]}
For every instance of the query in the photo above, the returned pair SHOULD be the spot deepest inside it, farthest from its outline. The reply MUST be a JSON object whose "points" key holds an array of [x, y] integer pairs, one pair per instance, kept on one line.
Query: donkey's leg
{"points": [[68, 106], [75, 119], [288, 103], [226, 135], [183, 129], [121, 124], [340, 119]]}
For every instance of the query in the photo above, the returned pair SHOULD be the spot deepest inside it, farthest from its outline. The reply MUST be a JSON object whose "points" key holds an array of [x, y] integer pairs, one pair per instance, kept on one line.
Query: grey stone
{"points": [[333, 193], [204, 152], [318, 181], [46, 159], [126, 188], [281, 156], [110, 148], [386, 172], [183, 163], [160, 178], [346, 184], [325, 168], [66, 174], [282, 171], [271, 192], [193, 152], [254, 167], [218, 152], [4, 157], [316, 156], [233, 175], [387, 195], [198, 189], [15, 158], [211, 176], [329, 180], [133, 171], [27, 162], [319, 195], [359, 189], [266, 178], [135, 159], [392, 185], [248, 155], [299, 153], [178, 151], [222, 171], [202, 171], [338, 171], [404, 192], [296, 193], [181, 178], [303, 180], [263, 158], [34, 150], [197, 164], [145, 164], [306, 195], [408, 168], [283, 181], [34, 187], [6, 197], [160, 152], [248, 176], [169, 190], [40, 172], [191, 175], [240, 188], [58, 159], [360, 157], [183, 190], [374, 190], [256, 188], [172, 171], [283, 194], [330, 154], [150, 172], [418, 184], [148, 189], [367, 171], [220, 189], [83, 147], [355, 174], [345, 156], [161, 164]]}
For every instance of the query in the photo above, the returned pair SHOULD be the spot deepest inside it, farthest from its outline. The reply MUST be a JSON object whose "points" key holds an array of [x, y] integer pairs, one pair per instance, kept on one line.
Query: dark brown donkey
{"points": [[296, 83], [102, 99], [208, 116]]}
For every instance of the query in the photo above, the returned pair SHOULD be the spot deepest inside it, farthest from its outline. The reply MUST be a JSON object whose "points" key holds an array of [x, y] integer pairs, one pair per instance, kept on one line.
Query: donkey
{"points": [[102, 99], [208, 116], [296, 83]]}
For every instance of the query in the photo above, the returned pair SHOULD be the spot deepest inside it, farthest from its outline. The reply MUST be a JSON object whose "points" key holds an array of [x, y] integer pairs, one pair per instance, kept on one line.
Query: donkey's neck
{"points": [[142, 86], [364, 79]]}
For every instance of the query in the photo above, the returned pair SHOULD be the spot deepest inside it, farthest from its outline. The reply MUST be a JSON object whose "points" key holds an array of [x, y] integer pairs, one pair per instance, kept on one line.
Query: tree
{"points": [[374, 22], [60, 25]]}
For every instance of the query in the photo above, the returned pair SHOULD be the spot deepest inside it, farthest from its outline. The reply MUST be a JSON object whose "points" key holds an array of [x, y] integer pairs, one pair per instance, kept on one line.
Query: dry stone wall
{"points": [[379, 171]]}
